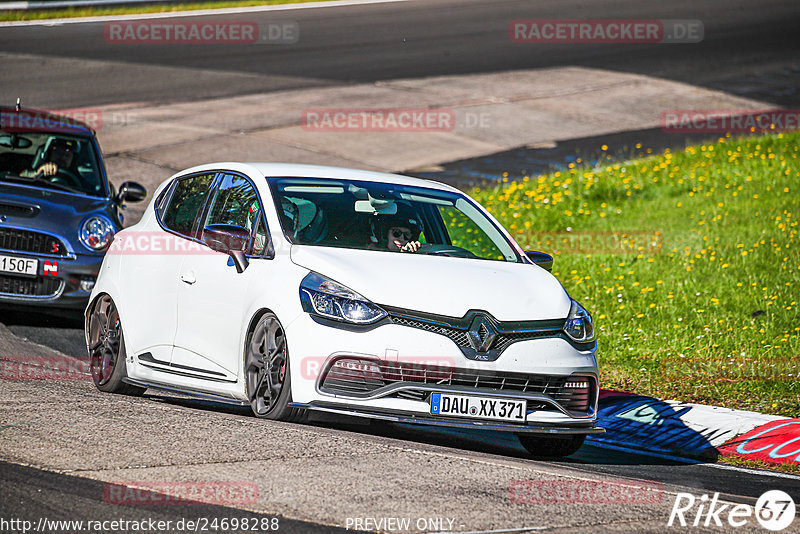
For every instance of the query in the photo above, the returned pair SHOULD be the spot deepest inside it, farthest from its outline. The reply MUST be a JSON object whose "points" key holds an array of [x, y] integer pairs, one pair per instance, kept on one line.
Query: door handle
{"points": [[188, 278]]}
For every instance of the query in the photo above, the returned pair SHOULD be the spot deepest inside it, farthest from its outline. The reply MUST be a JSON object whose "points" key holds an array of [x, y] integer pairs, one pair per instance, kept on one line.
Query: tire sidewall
{"points": [[120, 368], [280, 410]]}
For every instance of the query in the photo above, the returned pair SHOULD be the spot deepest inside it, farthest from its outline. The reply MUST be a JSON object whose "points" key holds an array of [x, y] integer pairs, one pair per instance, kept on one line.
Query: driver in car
{"points": [[399, 232], [60, 155]]}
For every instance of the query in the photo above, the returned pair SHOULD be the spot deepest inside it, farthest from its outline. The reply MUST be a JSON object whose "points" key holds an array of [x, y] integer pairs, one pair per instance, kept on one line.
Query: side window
{"points": [[236, 203], [162, 200], [260, 238], [187, 200]]}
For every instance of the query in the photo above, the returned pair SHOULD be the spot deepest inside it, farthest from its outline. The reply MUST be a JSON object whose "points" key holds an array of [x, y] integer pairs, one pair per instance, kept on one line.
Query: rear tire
{"points": [[107, 349], [267, 377], [550, 446]]}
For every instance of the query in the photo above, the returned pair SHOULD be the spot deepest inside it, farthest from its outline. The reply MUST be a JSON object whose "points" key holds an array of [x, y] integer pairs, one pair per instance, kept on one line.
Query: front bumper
{"points": [[61, 290], [418, 419], [407, 400]]}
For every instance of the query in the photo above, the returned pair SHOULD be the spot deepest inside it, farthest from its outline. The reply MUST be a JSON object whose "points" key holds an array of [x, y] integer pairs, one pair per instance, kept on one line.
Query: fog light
{"points": [[579, 394], [354, 370], [358, 365], [87, 284]]}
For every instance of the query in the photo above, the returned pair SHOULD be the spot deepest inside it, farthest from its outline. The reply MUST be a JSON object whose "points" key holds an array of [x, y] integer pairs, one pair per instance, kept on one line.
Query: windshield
{"points": [[55, 161], [386, 217]]}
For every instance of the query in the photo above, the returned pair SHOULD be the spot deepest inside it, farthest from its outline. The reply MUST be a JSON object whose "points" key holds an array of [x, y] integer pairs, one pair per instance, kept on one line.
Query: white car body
{"points": [[186, 316]]}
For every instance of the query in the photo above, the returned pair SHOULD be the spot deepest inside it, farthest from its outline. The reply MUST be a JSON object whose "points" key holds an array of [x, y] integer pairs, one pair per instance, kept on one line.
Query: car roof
{"points": [[299, 170], [41, 120]]}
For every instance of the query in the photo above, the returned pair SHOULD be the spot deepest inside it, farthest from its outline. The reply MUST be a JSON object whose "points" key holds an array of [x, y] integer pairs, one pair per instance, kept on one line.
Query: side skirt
{"points": [[195, 394]]}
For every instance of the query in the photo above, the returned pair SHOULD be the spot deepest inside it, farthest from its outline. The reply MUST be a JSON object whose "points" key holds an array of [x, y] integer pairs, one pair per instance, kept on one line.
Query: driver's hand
{"points": [[48, 169], [411, 246]]}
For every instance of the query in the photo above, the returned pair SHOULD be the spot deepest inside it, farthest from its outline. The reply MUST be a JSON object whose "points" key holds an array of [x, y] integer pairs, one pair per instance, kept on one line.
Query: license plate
{"points": [[478, 407], [10, 264]]}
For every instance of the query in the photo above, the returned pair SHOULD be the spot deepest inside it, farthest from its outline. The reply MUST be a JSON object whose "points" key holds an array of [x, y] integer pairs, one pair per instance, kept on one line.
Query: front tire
{"points": [[107, 349], [267, 376], [551, 447]]}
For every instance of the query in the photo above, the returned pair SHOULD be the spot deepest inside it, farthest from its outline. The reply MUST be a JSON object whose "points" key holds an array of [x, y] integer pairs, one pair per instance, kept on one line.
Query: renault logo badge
{"points": [[481, 334]]}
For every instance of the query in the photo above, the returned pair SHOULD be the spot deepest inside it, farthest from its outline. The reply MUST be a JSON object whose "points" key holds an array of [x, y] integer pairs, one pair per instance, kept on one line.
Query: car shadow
{"points": [[45, 317], [639, 431], [639, 422], [56, 329]]}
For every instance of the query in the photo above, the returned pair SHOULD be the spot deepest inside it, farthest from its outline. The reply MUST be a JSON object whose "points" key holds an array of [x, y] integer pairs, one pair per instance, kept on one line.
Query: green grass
{"points": [[688, 261], [42, 14]]}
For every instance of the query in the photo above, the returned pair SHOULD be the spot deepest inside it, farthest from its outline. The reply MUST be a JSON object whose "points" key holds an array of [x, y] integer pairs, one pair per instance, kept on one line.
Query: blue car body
{"points": [[41, 221]]}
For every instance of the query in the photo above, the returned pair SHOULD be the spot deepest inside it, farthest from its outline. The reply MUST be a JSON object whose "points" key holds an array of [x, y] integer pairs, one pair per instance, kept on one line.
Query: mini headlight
{"points": [[96, 232], [326, 298], [579, 326]]}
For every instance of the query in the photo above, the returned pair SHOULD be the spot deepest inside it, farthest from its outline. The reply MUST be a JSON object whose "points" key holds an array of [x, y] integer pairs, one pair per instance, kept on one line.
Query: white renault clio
{"points": [[297, 288]]}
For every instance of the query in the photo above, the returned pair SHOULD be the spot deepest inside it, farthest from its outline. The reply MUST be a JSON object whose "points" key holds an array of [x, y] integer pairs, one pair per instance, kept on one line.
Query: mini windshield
{"points": [[386, 217], [55, 161]]}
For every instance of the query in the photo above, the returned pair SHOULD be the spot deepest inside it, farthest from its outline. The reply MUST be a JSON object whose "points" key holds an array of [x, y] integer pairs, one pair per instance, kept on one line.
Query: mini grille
{"points": [[31, 242], [353, 382], [41, 286]]}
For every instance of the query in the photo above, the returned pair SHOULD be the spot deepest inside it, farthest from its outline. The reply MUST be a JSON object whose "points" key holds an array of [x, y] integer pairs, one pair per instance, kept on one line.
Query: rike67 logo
{"points": [[774, 510]]}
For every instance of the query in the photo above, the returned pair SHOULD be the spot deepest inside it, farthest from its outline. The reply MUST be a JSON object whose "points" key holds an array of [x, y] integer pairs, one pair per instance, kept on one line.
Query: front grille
{"points": [[40, 286], [379, 374], [460, 336], [31, 242]]}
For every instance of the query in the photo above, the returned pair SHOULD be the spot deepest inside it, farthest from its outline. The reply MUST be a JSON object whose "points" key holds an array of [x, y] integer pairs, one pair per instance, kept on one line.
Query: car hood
{"points": [[441, 285], [53, 211]]}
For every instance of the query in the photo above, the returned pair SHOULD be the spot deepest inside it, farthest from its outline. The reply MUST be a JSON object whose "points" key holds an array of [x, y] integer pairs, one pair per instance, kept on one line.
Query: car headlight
{"points": [[326, 298], [96, 232], [579, 326]]}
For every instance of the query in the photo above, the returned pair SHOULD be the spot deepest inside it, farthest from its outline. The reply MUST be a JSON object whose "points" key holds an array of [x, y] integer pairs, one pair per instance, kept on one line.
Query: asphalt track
{"points": [[750, 48]]}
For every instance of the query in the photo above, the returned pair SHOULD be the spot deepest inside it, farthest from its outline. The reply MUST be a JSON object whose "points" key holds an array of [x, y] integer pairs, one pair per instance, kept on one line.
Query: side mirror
{"points": [[229, 239], [543, 260], [131, 192]]}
